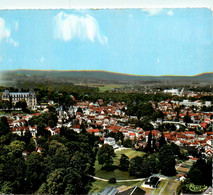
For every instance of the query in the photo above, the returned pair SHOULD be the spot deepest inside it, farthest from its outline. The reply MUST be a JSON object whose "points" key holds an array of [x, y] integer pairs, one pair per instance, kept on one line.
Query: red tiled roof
{"points": [[189, 132], [76, 126], [20, 129], [132, 134], [93, 130], [210, 133], [36, 114], [192, 158]]}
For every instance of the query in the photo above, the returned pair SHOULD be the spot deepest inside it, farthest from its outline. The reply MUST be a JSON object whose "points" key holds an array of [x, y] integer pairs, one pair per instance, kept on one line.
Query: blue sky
{"points": [[132, 41]]}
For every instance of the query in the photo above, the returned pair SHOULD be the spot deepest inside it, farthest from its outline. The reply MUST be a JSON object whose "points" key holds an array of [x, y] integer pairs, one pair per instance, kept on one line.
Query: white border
{"points": [[103, 4]]}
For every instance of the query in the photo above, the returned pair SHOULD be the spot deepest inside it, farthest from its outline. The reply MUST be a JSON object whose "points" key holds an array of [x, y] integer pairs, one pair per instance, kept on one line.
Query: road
{"points": [[117, 180]]}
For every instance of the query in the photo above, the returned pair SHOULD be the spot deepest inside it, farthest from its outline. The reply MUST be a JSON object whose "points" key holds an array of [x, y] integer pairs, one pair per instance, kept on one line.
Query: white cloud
{"points": [[4, 32], [16, 26], [12, 42], [42, 59], [170, 12], [70, 26], [153, 11]]}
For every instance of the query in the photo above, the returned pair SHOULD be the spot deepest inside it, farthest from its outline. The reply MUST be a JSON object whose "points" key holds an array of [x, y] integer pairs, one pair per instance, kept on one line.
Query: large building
{"points": [[14, 97]]}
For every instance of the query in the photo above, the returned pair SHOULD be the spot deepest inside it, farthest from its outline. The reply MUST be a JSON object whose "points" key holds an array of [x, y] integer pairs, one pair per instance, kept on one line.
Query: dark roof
{"points": [[109, 191], [153, 181], [133, 191]]}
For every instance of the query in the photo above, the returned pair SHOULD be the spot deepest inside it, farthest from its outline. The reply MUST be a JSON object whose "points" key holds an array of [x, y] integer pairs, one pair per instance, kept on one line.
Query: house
{"points": [[110, 141], [33, 131], [95, 131], [52, 131], [152, 181], [20, 130]]}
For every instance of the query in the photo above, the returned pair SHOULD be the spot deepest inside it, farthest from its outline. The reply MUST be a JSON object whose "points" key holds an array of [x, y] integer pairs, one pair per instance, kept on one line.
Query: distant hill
{"points": [[102, 75]]}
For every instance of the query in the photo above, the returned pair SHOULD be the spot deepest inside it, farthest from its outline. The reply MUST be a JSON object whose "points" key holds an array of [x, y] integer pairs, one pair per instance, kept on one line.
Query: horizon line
{"points": [[106, 71]]}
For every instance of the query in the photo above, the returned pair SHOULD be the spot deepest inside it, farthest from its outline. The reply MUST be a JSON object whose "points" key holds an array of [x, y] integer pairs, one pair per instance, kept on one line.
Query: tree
{"points": [[144, 166], [12, 167], [112, 180], [128, 143], [162, 141], [124, 163], [175, 149], [80, 110], [35, 173], [105, 155], [167, 159], [135, 166], [55, 183], [4, 126], [187, 118], [58, 155], [201, 172], [149, 143]]}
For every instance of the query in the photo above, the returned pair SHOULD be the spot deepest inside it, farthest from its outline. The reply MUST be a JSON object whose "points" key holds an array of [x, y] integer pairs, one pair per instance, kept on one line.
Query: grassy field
{"points": [[98, 186], [109, 87], [128, 152], [118, 174]]}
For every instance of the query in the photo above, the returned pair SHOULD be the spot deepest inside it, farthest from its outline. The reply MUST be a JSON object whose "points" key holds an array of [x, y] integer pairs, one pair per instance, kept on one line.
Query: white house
{"points": [[110, 141]]}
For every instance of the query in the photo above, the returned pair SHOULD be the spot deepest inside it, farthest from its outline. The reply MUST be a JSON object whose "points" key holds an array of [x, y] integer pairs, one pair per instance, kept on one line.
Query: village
{"points": [[100, 120], [186, 123]]}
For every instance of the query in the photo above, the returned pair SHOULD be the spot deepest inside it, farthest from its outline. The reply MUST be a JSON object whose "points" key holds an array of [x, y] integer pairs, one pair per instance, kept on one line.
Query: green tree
{"points": [[162, 141], [55, 183], [187, 118], [35, 173], [167, 159], [124, 163], [4, 126], [105, 155]]}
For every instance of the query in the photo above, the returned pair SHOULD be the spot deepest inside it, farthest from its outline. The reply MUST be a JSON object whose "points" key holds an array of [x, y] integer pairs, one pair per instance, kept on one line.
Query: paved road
{"points": [[117, 180]]}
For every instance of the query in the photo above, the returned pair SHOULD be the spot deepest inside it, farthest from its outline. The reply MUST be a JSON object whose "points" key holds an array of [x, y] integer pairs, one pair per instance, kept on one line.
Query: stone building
{"points": [[14, 97]]}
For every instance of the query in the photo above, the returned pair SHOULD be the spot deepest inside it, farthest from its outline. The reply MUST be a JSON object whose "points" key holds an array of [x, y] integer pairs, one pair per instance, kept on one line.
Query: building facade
{"points": [[14, 97]]}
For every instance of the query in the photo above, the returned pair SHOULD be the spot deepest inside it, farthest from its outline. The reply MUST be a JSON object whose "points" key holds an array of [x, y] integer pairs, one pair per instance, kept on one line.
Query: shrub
{"points": [[112, 180]]}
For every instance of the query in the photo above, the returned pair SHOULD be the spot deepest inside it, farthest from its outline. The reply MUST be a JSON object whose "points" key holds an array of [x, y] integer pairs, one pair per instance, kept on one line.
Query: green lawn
{"points": [[109, 87], [98, 186], [118, 174], [128, 152]]}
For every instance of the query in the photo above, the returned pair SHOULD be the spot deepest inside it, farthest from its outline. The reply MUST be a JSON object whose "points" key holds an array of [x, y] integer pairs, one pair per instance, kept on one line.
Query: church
{"points": [[14, 97]]}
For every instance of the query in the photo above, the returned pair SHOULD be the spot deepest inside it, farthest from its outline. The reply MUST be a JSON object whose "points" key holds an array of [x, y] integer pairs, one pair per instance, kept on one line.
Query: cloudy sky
{"points": [[133, 41]]}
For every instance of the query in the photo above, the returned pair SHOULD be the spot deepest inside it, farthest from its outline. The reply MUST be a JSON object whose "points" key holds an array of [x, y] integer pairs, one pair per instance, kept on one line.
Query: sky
{"points": [[156, 42]]}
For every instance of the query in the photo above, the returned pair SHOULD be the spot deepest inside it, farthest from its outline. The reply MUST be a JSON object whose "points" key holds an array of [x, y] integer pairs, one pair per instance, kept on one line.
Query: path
{"points": [[117, 180], [163, 188]]}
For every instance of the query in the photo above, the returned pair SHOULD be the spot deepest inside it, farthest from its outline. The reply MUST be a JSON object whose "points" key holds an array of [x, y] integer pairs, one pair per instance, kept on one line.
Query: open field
{"points": [[109, 87], [118, 174], [128, 152]]}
